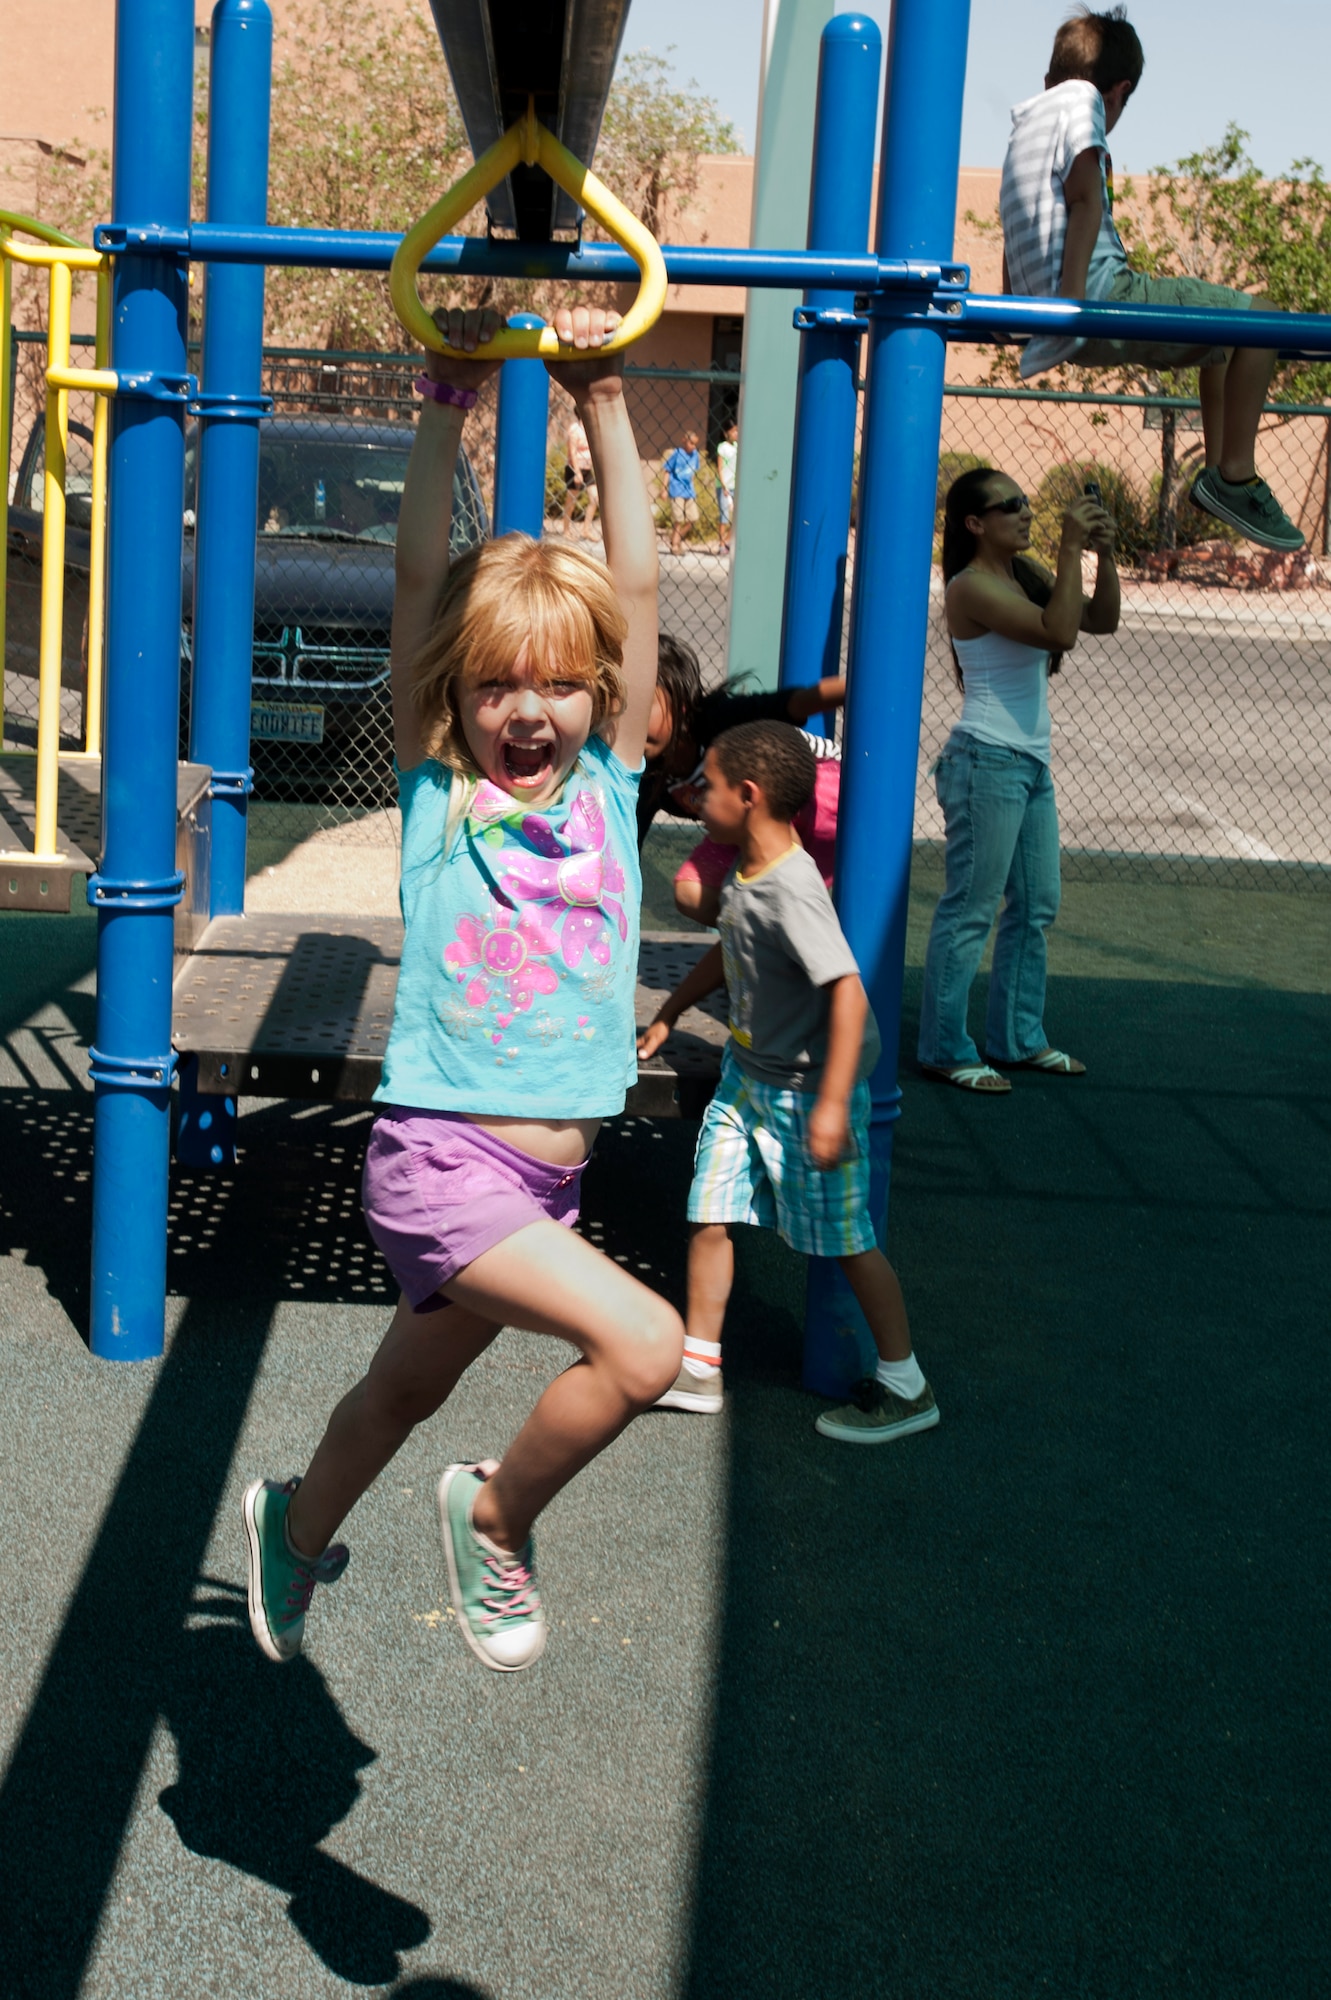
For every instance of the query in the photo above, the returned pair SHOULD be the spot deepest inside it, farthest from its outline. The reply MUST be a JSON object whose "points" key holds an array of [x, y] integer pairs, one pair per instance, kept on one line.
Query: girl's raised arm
{"points": [[597, 388], [427, 514]]}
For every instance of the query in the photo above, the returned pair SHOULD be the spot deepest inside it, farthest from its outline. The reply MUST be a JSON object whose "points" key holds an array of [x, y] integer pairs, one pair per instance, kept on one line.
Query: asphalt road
{"points": [[1191, 732], [1185, 734]]}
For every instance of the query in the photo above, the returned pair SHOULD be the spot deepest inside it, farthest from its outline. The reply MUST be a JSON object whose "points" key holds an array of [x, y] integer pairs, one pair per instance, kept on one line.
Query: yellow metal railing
{"points": [[61, 256], [529, 141]]}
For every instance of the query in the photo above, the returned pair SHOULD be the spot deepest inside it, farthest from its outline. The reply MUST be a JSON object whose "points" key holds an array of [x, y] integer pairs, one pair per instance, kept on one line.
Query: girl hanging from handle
{"points": [[522, 685]]}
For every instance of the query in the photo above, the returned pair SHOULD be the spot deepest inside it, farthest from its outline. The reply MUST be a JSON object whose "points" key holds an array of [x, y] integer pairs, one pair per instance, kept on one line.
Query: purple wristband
{"points": [[444, 392]]}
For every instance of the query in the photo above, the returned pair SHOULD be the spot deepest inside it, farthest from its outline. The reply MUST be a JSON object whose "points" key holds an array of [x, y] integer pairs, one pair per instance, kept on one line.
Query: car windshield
{"points": [[330, 487]]}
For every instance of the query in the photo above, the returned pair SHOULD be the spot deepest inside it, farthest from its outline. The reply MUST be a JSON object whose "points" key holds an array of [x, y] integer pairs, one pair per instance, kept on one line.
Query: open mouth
{"points": [[528, 764]]}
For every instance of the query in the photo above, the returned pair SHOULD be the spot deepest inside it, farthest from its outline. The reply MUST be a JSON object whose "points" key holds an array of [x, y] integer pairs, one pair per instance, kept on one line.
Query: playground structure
{"points": [[905, 294], [40, 875]]}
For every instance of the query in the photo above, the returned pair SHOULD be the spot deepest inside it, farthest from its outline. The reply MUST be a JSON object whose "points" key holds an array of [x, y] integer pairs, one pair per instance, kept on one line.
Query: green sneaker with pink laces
{"points": [[494, 1594], [281, 1582]]}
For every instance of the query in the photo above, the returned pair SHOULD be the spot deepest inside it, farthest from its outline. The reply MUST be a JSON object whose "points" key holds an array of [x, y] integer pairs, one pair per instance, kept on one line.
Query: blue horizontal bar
{"points": [[479, 256], [976, 315], [924, 292]]}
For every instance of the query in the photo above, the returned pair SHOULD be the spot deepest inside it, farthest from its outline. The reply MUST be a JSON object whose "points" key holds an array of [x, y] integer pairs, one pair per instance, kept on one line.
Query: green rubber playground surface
{"points": [[1032, 1703]]}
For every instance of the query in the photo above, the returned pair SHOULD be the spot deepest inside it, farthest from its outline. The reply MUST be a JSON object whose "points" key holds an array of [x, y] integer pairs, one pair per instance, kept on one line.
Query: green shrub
{"points": [[1132, 511], [951, 465], [555, 461], [1190, 524]]}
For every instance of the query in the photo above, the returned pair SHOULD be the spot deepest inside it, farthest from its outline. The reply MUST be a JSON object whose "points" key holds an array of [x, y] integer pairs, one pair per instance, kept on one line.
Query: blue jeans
{"points": [[1002, 842]]}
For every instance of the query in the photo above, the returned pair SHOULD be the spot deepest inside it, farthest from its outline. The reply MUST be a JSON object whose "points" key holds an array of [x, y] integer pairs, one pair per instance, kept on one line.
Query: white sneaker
{"points": [[701, 1393]]}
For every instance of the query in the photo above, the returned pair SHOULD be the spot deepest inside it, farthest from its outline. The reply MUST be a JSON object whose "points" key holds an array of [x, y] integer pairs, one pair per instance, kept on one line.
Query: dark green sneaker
{"points": [[498, 1610], [281, 1583], [875, 1415], [1251, 507]]}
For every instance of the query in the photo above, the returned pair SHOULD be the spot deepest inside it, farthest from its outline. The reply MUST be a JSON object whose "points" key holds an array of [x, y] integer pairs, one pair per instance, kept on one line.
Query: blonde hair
{"points": [[508, 594]]}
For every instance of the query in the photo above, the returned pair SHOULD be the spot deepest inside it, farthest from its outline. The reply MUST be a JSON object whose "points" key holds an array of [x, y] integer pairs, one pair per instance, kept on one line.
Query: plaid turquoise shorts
{"points": [[752, 1165]]}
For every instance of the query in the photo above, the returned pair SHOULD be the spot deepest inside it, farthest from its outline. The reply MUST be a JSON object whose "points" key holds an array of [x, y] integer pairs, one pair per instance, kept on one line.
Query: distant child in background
{"points": [[684, 722], [785, 1141], [727, 461], [579, 476], [1056, 203], [522, 684], [680, 468]]}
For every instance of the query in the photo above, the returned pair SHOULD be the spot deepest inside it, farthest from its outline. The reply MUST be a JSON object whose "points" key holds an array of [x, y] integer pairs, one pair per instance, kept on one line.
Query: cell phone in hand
{"points": [[1092, 491]]}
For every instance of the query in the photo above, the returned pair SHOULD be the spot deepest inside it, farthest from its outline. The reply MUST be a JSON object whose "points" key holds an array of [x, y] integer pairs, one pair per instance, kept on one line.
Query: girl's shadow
{"points": [[268, 1767]]}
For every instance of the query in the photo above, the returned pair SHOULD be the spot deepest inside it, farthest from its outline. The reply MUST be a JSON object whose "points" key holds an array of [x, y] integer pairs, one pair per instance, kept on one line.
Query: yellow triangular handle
{"points": [[530, 142]]}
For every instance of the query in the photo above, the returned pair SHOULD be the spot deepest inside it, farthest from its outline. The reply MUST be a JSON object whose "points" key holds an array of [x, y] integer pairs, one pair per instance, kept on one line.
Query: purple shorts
{"points": [[439, 1192]]}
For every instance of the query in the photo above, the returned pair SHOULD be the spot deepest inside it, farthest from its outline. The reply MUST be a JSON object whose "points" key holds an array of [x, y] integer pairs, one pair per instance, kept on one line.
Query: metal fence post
{"points": [[138, 887], [926, 66], [824, 467], [520, 443], [230, 406]]}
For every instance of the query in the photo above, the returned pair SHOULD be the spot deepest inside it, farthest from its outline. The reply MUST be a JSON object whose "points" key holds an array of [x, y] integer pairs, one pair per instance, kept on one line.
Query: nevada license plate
{"points": [[286, 722]]}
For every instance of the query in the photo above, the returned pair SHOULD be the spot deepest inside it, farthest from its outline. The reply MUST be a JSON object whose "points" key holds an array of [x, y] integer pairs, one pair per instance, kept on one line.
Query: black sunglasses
{"points": [[1012, 505]]}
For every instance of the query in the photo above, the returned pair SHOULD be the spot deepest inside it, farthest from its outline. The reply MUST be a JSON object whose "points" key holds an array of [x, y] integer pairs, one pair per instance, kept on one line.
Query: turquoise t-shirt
{"points": [[521, 952]]}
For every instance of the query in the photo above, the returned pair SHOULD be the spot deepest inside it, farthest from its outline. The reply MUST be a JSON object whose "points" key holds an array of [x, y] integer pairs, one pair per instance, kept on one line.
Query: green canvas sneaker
{"points": [[498, 1610], [876, 1416], [281, 1583], [1251, 507]]}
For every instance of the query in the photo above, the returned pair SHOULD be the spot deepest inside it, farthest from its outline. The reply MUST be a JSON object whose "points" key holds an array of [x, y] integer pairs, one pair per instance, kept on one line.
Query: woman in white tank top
{"points": [[1010, 622]]}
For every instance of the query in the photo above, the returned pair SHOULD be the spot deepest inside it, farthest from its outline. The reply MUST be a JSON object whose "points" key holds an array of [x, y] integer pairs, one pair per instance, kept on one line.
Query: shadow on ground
{"points": [[147, 1638], [1032, 1702], [222, 1700]]}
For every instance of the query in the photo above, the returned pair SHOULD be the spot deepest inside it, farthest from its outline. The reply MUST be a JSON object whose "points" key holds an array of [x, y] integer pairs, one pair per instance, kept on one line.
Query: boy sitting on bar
{"points": [[784, 1144], [1056, 203]]}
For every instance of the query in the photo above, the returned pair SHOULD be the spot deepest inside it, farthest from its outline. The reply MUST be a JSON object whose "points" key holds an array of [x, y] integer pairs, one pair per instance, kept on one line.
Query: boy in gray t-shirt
{"points": [[785, 1141]]}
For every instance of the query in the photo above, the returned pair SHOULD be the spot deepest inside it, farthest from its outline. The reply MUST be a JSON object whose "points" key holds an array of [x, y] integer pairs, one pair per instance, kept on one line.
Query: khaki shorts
{"points": [[1132, 288], [683, 508]]}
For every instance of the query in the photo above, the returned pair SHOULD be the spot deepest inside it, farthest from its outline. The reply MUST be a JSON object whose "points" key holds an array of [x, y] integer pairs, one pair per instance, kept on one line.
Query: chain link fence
{"points": [[1197, 737]]}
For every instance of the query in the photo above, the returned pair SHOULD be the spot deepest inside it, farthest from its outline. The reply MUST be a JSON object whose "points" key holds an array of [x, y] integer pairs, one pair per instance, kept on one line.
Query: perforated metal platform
{"points": [[26, 884], [275, 1006]]}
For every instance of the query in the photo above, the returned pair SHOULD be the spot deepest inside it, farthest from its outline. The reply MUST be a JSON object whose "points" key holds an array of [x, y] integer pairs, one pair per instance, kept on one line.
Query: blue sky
{"points": [[1209, 63]]}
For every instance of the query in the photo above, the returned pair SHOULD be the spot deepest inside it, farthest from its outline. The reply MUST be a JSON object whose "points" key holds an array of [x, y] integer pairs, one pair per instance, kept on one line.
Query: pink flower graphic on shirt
{"points": [[576, 881], [499, 959]]}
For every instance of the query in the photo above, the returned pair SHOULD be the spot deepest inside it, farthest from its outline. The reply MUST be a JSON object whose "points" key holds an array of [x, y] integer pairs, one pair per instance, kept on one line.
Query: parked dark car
{"points": [[329, 493]]}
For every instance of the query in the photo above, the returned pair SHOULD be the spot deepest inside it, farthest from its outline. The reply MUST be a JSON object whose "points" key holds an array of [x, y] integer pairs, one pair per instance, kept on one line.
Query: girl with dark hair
{"points": [[1010, 622], [683, 723]]}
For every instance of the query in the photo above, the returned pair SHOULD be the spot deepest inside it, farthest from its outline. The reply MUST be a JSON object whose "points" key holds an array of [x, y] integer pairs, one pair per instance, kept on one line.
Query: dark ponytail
{"points": [[969, 494]]}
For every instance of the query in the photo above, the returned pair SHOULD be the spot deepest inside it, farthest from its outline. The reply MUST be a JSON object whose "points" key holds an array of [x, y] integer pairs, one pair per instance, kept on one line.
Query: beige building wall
{"points": [[57, 70]]}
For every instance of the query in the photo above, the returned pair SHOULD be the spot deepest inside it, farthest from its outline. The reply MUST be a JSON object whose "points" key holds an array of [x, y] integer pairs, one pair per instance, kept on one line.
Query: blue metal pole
{"points": [[926, 66], [230, 406], [520, 446], [837, 1346], [138, 887], [843, 146]]}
